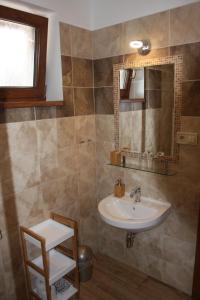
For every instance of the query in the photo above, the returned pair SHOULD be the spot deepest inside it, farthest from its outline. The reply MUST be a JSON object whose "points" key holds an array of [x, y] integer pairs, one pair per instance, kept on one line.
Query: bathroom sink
{"points": [[135, 216]]}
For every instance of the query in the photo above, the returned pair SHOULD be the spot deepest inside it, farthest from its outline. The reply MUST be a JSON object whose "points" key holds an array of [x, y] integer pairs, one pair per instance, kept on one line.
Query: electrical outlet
{"points": [[187, 138]]}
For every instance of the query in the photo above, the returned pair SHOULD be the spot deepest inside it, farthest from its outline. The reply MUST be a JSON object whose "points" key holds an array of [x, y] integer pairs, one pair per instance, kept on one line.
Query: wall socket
{"points": [[187, 138]]}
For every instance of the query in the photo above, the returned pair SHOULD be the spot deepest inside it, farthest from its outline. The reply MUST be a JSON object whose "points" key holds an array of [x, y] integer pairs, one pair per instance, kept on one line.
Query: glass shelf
{"points": [[156, 170]]}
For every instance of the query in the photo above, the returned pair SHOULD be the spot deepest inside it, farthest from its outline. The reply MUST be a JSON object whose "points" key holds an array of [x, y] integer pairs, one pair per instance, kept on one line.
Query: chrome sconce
{"points": [[143, 46]]}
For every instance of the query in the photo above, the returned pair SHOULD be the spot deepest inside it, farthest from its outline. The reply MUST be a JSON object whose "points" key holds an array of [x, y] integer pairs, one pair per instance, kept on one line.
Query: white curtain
{"points": [[17, 48]]}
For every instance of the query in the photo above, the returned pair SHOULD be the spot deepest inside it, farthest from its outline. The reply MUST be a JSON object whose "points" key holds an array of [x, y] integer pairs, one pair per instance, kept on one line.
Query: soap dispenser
{"points": [[119, 189]]}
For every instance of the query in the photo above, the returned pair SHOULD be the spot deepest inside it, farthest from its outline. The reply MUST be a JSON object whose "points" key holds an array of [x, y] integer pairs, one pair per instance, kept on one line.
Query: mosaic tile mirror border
{"points": [[178, 78]]}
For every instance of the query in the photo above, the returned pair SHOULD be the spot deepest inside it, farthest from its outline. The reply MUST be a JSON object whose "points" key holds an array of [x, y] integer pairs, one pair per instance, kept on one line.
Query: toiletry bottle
{"points": [[115, 158], [119, 189], [124, 161], [149, 160], [144, 161]]}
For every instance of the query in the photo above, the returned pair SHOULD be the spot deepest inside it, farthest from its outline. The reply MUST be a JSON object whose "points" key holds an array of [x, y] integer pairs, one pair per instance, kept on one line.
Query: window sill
{"points": [[33, 103]]}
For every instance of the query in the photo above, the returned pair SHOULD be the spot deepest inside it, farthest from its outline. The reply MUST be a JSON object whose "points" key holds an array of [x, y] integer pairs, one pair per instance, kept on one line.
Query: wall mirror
{"points": [[147, 102]]}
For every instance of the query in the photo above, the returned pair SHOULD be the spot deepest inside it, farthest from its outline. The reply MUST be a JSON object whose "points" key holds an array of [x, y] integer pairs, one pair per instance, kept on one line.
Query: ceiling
{"points": [[109, 12], [95, 14]]}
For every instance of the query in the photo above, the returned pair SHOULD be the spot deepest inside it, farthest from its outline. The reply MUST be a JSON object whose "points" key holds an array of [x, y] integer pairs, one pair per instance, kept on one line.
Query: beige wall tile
{"points": [[105, 127], [13, 268], [65, 39], [104, 100], [67, 159], [84, 101], [82, 72], [182, 276], [59, 164], [85, 128], [25, 172], [182, 227], [190, 124], [186, 251], [4, 146], [87, 194], [13, 115], [26, 207], [60, 192], [107, 41], [103, 153], [191, 59], [88, 229], [71, 210], [103, 70], [66, 70], [81, 42], [111, 241], [184, 24], [20, 167], [22, 137], [46, 136], [87, 165], [106, 181], [49, 166], [65, 132], [87, 156], [154, 27]]}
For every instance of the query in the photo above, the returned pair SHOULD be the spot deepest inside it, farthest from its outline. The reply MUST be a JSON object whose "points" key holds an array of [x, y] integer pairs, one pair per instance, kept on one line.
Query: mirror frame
{"points": [[177, 61]]}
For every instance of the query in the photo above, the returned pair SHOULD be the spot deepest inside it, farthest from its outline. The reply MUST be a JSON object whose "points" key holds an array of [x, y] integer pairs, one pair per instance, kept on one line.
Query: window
{"points": [[23, 38], [16, 55]]}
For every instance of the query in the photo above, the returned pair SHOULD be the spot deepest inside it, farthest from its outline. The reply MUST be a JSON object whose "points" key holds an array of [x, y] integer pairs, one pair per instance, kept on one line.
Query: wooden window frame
{"points": [[14, 96]]}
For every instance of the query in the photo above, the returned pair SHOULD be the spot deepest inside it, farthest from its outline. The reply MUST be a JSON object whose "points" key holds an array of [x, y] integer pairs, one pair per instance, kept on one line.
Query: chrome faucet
{"points": [[136, 192]]}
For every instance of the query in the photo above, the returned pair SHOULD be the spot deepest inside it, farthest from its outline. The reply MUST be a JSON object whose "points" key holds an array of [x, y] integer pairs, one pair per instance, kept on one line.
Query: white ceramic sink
{"points": [[127, 214]]}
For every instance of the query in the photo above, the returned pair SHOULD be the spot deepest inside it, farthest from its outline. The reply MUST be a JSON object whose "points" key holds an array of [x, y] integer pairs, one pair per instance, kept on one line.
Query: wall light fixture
{"points": [[143, 46]]}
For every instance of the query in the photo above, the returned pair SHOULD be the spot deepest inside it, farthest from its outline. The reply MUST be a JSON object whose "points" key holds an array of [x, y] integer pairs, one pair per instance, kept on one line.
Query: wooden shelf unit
{"points": [[56, 260]]}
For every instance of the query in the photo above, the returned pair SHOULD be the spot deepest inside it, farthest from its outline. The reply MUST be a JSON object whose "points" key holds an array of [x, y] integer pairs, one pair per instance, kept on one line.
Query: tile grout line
{"points": [[103, 86], [78, 87], [71, 50], [87, 87], [170, 35]]}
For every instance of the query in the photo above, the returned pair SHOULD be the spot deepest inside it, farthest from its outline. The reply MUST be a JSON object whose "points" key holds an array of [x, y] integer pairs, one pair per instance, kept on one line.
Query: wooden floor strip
{"points": [[113, 280]]}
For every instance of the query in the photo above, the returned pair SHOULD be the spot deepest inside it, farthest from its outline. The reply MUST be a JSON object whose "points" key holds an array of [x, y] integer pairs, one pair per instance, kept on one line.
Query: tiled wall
{"points": [[167, 252], [47, 161], [49, 156]]}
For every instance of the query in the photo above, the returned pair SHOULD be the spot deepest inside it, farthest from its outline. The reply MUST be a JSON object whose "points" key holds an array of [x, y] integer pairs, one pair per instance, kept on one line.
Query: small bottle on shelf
{"points": [[115, 158], [124, 161]]}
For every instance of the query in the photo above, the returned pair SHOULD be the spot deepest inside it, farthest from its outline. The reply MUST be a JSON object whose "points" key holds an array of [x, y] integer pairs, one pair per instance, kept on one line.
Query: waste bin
{"points": [[85, 263]]}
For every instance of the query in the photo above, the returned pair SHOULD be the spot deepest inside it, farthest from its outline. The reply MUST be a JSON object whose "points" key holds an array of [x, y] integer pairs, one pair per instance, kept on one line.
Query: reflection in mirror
{"points": [[146, 110], [132, 84]]}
